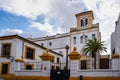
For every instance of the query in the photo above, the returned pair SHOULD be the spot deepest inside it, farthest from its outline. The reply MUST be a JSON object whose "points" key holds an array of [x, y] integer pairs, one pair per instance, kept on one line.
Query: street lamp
{"points": [[67, 48]]}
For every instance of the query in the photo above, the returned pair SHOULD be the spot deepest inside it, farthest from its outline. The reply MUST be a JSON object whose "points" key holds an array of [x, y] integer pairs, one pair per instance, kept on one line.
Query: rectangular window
{"points": [[60, 52], [86, 39], [104, 63], [93, 35], [50, 43], [6, 49], [53, 67], [42, 44], [83, 64], [57, 68], [58, 60], [81, 39], [52, 61], [29, 67], [5, 68], [74, 40], [30, 53]]}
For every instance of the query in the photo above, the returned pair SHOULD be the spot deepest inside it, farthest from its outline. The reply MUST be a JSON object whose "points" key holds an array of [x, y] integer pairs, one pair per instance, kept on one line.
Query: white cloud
{"points": [[43, 27], [11, 31], [63, 11], [28, 8]]}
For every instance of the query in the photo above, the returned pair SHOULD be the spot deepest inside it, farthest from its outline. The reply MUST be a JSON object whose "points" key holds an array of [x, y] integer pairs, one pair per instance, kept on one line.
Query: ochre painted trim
{"points": [[115, 56], [85, 13], [95, 78], [7, 76], [46, 56], [8, 67], [19, 60], [25, 52], [10, 48], [14, 77], [26, 40], [74, 55]]}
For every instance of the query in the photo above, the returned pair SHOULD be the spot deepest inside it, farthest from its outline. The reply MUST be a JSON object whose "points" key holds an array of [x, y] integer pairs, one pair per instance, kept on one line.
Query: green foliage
{"points": [[94, 45]]}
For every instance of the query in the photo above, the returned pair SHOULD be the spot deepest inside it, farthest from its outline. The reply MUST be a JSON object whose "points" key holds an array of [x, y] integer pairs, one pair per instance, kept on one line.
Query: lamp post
{"points": [[67, 48]]}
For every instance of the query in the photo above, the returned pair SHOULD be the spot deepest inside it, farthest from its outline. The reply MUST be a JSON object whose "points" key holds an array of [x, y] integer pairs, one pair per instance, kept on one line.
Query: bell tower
{"points": [[84, 20]]}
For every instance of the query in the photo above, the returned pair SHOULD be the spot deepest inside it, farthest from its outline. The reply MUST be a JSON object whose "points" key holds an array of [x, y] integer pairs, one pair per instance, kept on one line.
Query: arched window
{"points": [[82, 23], [86, 22], [81, 39], [74, 40], [86, 39], [93, 36]]}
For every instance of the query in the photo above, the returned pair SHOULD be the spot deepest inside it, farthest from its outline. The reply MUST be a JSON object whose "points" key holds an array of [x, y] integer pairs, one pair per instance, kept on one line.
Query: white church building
{"points": [[43, 58], [78, 36]]}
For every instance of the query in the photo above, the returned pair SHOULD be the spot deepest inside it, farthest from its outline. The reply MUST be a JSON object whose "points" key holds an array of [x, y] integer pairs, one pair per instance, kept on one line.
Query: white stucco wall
{"points": [[16, 52], [115, 43]]}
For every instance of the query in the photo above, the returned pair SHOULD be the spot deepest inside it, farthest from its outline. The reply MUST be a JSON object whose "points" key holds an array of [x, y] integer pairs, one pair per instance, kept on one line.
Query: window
{"points": [[93, 35], [5, 68], [81, 39], [86, 21], [42, 44], [53, 67], [74, 40], [57, 68], [50, 43], [29, 67], [30, 53], [6, 49], [82, 23], [52, 61], [104, 63], [58, 60], [86, 39], [83, 64], [60, 52]]}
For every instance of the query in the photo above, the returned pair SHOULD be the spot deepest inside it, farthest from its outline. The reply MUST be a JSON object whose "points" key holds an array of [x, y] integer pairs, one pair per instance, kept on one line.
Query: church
{"points": [[44, 58], [78, 36]]}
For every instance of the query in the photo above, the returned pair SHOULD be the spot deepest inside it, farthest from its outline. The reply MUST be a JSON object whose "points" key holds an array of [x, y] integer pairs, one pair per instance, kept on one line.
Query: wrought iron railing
{"points": [[100, 64]]}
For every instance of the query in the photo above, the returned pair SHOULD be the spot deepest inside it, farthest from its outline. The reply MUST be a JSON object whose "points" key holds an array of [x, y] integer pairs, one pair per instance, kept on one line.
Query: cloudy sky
{"points": [[36, 18]]}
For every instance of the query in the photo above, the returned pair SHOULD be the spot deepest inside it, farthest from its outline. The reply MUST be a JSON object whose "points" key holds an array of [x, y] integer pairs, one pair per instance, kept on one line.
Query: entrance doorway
{"points": [[59, 74]]}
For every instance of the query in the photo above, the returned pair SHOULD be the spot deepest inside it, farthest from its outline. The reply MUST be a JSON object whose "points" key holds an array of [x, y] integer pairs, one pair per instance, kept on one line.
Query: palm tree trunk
{"points": [[94, 59]]}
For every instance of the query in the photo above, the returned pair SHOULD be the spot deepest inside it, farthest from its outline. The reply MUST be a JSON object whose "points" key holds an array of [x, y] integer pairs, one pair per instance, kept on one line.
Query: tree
{"points": [[94, 46]]}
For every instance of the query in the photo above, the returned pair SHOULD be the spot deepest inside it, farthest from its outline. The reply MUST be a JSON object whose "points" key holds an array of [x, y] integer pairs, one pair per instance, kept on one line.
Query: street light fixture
{"points": [[67, 48]]}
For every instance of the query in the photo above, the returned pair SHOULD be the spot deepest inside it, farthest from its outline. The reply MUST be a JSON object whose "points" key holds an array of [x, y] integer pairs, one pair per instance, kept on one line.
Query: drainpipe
{"points": [[22, 49]]}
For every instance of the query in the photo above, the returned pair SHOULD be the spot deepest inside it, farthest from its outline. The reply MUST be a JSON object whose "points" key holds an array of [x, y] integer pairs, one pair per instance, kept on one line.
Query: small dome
{"points": [[115, 56], [74, 54], [19, 60]]}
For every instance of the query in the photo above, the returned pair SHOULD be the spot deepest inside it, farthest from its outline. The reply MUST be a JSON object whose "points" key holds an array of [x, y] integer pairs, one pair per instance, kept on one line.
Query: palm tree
{"points": [[94, 46]]}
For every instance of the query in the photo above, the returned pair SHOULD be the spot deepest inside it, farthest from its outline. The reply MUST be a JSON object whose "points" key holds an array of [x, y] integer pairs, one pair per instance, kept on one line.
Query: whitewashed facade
{"points": [[18, 50], [115, 38], [17, 64], [78, 36]]}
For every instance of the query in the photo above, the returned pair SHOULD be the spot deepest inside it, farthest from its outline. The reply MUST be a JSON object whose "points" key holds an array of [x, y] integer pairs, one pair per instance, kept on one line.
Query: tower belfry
{"points": [[84, 19]]}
